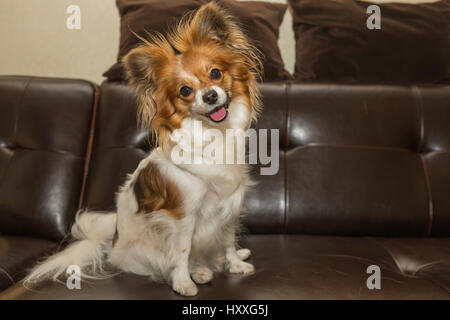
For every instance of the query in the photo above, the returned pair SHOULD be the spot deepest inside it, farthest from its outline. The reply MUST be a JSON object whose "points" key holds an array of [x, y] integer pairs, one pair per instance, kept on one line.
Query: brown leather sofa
{"points": [[364, 180]]}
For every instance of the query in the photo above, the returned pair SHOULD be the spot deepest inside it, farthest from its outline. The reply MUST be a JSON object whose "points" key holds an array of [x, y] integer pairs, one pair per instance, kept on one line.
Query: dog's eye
{"points": [[185, 91], [215, 74]]}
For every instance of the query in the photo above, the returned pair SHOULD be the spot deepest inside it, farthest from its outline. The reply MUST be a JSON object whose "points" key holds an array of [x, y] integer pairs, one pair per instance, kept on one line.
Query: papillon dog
{"points": [[177, 222]]}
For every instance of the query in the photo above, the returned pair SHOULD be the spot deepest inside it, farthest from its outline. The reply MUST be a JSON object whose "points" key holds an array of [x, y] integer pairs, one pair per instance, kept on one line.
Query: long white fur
{"points": [[157, 245], [94, 232]]}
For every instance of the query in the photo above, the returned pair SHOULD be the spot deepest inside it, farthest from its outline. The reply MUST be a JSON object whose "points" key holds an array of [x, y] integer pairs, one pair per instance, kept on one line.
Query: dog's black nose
{"points": [[210, 97]]}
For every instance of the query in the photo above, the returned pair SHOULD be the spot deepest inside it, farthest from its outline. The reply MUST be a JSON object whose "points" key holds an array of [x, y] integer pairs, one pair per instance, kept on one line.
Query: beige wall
{"points": [[35, 40]]}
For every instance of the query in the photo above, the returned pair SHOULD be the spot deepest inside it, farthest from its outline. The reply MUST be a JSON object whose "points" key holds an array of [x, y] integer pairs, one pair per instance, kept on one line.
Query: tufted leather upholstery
{"points": [[44, 130], [364, 161], [364, 179], [354, 160]]}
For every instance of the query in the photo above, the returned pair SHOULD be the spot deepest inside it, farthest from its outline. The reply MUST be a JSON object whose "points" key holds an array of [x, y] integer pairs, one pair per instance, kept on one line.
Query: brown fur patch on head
{"points": [[156, 193]]}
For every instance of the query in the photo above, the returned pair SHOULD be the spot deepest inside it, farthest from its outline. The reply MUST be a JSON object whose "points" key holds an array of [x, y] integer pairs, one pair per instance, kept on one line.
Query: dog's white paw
{"points": [[242, 268], [202, 275], [185, 288], [244, 254]]}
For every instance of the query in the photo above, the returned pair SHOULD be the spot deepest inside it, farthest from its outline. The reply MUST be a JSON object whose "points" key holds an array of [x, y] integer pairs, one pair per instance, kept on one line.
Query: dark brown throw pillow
{"points": [[333, 42], [259, 20]]}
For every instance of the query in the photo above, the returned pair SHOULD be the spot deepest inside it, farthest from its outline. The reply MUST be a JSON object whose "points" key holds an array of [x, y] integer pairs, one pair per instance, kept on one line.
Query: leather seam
{"points": [[429, 227], [130, 146], [20, 105], [420, 109], [89, 147], [325, 145], [59, 152], [286, 147], [417, 98], [438, 152]]}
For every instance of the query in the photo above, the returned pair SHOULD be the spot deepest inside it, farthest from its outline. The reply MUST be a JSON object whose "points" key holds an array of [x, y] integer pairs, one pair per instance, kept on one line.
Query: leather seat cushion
{"points": [[17, 254], [297, 267]]}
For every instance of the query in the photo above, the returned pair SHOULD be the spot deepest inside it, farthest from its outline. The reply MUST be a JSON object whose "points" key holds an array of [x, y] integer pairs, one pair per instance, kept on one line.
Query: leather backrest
{"points": [[354, 160], [368, 160], [117, 148], [44, 132]]}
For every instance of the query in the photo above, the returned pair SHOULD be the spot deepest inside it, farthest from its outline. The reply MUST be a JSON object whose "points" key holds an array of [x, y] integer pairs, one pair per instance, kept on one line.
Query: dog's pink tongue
{"points": [[219, 114]]}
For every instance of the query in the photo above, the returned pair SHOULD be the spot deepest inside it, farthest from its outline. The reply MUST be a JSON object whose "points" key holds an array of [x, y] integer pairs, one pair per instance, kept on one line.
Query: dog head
{"points": [[203, 65]]}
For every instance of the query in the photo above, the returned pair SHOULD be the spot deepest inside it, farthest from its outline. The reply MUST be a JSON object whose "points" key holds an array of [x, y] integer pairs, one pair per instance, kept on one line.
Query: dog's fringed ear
{"points": [[213, 23], [138, 65], [142, 65]]}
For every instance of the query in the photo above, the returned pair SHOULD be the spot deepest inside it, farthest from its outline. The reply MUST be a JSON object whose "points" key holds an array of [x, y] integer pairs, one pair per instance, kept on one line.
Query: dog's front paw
{"points": [[243, 254], [202, 275], [185, 288], [242, 268]]}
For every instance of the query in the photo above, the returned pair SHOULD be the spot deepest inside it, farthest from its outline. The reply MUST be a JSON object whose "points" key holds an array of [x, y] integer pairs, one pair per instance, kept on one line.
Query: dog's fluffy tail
{"points": [[94, 232]]}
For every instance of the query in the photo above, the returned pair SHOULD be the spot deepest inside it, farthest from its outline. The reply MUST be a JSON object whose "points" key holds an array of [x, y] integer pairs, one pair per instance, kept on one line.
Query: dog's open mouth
{"points": [[219, 113]]}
